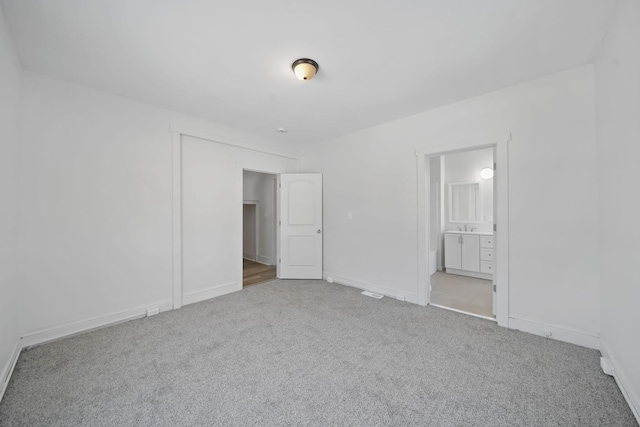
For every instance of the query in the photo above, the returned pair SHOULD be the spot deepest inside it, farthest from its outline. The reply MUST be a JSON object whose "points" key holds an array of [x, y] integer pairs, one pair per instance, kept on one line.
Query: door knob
{"points": [[319, 231]]}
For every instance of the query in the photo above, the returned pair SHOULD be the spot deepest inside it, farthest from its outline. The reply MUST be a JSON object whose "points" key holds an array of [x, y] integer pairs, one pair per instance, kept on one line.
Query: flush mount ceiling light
{"points": [[305, 68], [486, 173]]}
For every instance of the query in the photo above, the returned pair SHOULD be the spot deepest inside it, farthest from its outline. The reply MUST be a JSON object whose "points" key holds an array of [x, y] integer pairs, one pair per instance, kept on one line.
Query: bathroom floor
{"points": [[462, 293]]}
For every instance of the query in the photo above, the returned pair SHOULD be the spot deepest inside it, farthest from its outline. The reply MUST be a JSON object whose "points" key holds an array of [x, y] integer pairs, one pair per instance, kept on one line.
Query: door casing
{"points": [[501, 216]]}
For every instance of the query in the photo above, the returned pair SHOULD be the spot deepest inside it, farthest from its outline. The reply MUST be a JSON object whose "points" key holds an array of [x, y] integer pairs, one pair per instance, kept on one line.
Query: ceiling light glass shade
{"points": [[305, 68], [486, 173]]}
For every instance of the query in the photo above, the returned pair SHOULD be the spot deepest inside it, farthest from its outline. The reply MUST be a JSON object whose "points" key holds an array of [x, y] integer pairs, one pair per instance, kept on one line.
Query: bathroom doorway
{"points": [[436, 218], [461, 231]]}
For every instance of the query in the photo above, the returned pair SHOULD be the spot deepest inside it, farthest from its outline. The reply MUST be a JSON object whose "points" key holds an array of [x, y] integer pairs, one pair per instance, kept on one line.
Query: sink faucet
{"points": [[465, 227], [473, 229]]}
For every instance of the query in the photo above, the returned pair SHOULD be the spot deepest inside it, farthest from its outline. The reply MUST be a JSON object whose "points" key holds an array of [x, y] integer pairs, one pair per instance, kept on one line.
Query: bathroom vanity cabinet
{"points": [[469, 254]]}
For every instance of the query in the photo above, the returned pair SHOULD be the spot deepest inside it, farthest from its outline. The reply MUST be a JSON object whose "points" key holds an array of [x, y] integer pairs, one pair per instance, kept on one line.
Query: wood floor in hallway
{"points": [[254, 273]]}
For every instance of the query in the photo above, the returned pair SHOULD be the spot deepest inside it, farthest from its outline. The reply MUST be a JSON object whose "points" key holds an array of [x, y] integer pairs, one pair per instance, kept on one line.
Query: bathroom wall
{"points": [[466, 167]]}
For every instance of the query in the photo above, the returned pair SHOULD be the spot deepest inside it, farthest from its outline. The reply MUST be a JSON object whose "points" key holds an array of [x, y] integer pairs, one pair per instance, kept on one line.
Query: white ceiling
{"points": [[230, 61]]}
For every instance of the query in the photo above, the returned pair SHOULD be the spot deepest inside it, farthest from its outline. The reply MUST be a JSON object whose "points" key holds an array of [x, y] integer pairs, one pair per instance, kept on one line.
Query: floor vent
{"points": [[372, 294], [153, 311]]}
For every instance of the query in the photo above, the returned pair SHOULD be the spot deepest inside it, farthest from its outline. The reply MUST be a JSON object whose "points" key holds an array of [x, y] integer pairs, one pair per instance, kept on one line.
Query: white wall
{"points": [[10, 95], [466, 167], [97, 202], [618, 101], [249, 231], [436, 209], [553, 210], [212, 213], [261, 188]]}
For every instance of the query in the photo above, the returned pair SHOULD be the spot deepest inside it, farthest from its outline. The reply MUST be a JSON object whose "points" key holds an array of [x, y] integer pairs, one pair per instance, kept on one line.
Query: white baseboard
{"points": [[390, 292], [265, 260], [57, 332], [212, 292], [50, 334], [560, 333], [7, 369], [619, 374], [480, 316], [250, 257]]}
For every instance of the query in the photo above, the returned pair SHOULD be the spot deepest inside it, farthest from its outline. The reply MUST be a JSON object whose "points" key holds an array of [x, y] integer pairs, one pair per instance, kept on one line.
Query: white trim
{"points": [[500, 143], [50, 334], [378, 289], [278, 213], [212, 292], [177, 219], [210, 136], [463, 312], [501, 219], [265, 260], [463, 145], [423, 171], [561, 333], [632, 398], [7, 371]]}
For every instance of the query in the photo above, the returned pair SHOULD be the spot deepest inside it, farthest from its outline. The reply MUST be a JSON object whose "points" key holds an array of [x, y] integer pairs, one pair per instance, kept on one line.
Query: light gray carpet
{"points": [[310, 353]]}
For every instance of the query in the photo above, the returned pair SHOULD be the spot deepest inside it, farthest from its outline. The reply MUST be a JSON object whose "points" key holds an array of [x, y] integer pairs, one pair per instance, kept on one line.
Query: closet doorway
{"points": [[259, 231]]}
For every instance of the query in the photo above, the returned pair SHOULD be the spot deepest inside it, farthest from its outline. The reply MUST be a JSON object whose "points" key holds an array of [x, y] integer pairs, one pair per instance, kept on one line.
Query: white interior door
{"points": [[300, 226]]}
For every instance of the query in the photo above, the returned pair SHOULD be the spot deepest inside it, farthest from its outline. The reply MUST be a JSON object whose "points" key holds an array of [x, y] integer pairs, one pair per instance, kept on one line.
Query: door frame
{"points": [[501, 215], [276, 211]]}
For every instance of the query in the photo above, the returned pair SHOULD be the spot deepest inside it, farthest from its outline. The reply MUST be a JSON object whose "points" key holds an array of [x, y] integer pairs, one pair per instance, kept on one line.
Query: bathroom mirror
{"points": [[464, 202]]}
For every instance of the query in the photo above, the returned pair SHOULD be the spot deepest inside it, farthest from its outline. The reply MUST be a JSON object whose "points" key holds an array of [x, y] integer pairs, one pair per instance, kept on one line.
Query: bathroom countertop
{"points": [[479, 233]]}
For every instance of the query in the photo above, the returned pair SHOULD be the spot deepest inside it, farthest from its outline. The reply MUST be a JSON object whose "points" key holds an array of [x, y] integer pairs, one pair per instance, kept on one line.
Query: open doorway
{"points": [[259, 228], [461, 231], [433, 200]]}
